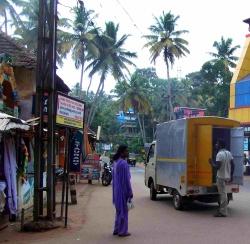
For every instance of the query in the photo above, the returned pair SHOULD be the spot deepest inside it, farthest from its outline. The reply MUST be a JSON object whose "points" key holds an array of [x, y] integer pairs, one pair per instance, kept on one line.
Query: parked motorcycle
{"points": [[59, 172], [106, 175]]}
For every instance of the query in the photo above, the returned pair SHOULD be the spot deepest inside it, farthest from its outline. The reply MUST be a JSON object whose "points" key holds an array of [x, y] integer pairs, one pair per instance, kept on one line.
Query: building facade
{"points": [[128, 123], [240, 92]]}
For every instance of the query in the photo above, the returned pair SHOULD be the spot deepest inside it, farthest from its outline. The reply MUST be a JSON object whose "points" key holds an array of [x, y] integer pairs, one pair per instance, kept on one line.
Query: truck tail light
{"points": [[235, 190]]}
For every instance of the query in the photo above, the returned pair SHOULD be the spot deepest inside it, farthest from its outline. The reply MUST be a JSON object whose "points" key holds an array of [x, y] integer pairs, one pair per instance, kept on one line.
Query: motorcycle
{"points": [[106, 175]]}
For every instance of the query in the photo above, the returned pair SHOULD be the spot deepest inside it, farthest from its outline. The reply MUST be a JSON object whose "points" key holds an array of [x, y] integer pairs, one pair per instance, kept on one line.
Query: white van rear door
{"points": [[237, 150]]}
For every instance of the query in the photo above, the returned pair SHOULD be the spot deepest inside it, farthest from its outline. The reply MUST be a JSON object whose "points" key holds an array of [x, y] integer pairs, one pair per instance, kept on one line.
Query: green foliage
{"points": [[225, 51], [9, 14], [211, 91], [105, 116], [113, 59], [165, 39], [211, 85], [27, 34]]}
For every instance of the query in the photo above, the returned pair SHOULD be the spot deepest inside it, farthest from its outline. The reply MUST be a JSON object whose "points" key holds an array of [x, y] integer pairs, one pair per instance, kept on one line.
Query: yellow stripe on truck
{"points": [[172, 160]]}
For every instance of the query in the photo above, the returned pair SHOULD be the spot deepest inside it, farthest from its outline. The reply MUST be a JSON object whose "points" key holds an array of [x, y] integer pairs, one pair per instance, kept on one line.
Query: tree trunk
{"points": [[95, 99], [90, 83], [141, 129], [96, 105], [81, 80], [169, 91], [5, 22]]}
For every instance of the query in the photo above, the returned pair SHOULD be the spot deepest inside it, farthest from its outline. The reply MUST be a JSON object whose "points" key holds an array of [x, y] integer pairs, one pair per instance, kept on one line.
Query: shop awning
{"points": [[8, 122]]}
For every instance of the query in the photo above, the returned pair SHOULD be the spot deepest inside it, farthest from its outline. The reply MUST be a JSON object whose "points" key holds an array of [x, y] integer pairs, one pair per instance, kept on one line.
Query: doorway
{"points": [[220, 134]]}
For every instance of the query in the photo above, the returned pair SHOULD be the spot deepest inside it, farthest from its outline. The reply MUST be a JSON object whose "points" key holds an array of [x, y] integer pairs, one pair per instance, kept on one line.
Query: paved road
{"points": [[152, 222]]}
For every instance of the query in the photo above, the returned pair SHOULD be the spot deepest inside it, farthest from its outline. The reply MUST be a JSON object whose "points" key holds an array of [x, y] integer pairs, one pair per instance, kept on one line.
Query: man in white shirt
{"points": [[225, 169]]}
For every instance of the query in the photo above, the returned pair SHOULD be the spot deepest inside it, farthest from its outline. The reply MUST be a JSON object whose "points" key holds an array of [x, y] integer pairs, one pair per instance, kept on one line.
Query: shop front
{"points": [[14, 165]]}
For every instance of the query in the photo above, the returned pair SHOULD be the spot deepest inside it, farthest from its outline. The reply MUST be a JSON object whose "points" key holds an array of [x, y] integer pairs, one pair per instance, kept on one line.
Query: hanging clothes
{"points": [[2, 196], [10, 168]]}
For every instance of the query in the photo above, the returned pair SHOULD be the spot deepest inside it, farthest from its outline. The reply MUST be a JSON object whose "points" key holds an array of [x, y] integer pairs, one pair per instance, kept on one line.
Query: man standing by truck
{"points": [[225, 169]]}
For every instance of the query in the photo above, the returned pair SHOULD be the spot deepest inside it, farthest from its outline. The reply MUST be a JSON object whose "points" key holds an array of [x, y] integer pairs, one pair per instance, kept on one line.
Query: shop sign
{"points": [[76, 152], [91, 168], [70, 111]]}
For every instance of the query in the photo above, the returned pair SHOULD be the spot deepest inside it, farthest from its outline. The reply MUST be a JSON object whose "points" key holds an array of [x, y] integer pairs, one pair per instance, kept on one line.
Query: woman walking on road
{"points": [[122, 191]]}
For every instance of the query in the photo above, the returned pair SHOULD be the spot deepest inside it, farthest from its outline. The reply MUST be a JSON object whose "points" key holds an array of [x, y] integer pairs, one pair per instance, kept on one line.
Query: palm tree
{"points": [[28, 35], [82, 41], [166, 39], [133, 95], [225, 51], [112, 59], [7, 8]]}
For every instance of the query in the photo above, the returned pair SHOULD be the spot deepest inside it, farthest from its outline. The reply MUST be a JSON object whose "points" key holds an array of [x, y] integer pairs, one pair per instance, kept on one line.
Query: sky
{"points": [[206, 22]]}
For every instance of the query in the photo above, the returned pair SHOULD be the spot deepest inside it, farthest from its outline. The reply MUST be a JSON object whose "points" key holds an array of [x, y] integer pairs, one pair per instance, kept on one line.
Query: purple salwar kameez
{"points": [[122, 192]]}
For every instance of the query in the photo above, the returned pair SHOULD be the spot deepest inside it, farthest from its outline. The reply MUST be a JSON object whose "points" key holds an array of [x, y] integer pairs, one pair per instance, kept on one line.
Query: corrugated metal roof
{"points": [[8, 122]]}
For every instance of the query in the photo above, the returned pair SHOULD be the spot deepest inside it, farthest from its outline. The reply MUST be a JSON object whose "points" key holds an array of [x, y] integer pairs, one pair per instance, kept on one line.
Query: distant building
{"points": [[186, 112], [128, 123]]}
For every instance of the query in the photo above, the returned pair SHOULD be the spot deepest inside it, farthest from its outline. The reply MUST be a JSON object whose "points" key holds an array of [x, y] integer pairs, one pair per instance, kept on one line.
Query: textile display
{"points": [[10, 168]]}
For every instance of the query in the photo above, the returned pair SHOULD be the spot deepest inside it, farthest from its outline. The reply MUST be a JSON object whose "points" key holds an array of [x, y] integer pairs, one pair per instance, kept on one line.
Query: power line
{"points": [[129, 16], [66, 6]]}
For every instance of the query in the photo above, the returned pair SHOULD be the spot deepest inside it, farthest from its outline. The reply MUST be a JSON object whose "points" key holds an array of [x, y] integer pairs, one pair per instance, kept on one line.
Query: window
{"points": [[151, 152]]}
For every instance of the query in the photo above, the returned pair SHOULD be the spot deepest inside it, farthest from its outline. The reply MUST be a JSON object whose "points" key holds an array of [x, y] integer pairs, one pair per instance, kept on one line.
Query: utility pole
{"points": [[45, 84]]}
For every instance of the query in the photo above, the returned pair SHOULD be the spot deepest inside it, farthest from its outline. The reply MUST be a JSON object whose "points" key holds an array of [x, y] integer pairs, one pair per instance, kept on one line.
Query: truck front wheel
{"points": [[153, 193], [177, 201]]}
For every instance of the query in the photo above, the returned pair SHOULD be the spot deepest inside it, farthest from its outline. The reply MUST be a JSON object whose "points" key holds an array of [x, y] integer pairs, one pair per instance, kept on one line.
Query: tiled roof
{"points": [[22, 57]]}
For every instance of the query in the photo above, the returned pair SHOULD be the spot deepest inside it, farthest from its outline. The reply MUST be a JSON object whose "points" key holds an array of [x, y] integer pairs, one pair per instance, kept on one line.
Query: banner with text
{"points": [[70, 112], [76, 152]]}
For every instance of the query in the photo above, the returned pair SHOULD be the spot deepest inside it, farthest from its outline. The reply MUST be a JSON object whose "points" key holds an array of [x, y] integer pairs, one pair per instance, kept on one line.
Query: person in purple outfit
{"points": [[122, 191]]}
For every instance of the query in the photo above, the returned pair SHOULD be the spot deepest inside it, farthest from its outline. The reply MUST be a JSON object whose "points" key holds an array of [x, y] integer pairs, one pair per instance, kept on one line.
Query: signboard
{"points": [[76, 152], [91, 168], [70, 111], [185, 112]]}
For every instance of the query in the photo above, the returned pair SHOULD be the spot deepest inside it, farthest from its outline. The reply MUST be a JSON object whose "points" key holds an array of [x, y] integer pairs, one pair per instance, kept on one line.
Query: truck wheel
{"points": [[177, 201], [153, 193]]}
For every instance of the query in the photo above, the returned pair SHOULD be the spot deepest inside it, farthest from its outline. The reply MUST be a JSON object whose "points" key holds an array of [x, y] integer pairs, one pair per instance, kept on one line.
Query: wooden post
{"points": [[64, 169], [72, 185], [67, 181]]}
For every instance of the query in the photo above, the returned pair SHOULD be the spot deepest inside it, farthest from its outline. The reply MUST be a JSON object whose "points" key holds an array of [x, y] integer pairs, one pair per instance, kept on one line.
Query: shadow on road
{"points": [[190, 207]]}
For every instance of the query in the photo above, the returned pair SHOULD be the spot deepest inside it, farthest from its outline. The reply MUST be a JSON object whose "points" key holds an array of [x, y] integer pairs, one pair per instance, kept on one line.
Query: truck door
{"points": [[150, 165], [203, 171], [237, 150]]}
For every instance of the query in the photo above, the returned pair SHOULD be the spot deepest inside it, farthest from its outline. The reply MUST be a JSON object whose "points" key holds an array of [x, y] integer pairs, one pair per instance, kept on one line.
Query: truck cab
{"points": [[150, 165]]}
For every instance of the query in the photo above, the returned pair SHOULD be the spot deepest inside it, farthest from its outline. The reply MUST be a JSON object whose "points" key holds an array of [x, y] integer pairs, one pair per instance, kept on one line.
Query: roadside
{"points": [[77, 218], [91, 220]]}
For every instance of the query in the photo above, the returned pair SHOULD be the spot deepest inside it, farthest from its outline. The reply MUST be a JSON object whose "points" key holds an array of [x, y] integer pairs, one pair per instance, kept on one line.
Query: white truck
{"points": [[178, 161]]}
